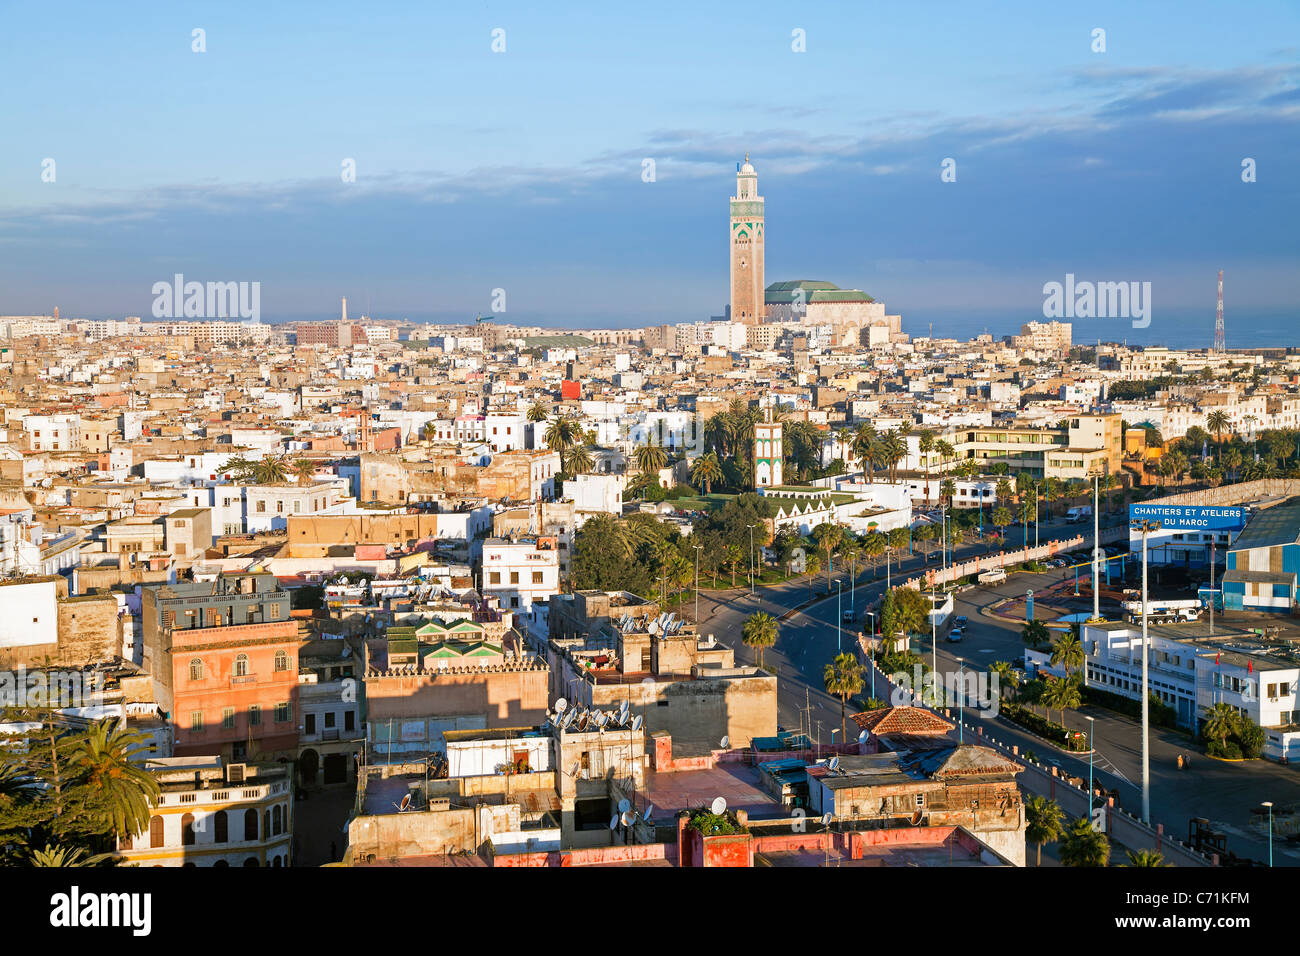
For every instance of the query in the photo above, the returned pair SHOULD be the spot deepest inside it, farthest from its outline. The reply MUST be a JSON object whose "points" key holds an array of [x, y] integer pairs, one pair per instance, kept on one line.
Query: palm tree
{"points": [[864, 442], [1034, 633], [948, 489], [1002, 491], [1217, 422], [828, 537], [577, 460], [844, 677], [925, 534], [304, 469], [1068, 651], [538, 412], [946, 451], [104, 763], [1220, 723], [759, 631], [61, 856], [1043, 823], [925, 444], [1084, 846], [651, 456], [1001, 518], [561, 434], [271, 470], [1145, 858], [892, 451], [732, 556], [1061, 695], [1006, 675], [706, 470]]}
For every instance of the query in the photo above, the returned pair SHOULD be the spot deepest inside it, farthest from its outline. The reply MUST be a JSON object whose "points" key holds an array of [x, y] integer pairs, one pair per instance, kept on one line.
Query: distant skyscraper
{"points": [[747, 248]]}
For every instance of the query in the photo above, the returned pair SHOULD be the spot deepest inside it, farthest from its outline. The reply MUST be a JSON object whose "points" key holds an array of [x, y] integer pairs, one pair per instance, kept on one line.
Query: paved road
{"points": [[1225, 793]]}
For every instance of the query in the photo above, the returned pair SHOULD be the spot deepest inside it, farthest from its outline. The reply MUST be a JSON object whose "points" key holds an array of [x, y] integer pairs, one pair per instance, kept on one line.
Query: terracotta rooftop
{"points": [[888, 721]]}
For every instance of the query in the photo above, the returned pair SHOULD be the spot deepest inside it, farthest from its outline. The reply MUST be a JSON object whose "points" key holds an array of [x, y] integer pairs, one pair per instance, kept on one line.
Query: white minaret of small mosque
{"points": [[345, 308], [747, 248], [768, 453]]}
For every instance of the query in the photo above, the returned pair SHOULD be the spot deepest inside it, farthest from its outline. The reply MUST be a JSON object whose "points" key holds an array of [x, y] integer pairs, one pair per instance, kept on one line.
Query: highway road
{"points": [[1226, 793]]}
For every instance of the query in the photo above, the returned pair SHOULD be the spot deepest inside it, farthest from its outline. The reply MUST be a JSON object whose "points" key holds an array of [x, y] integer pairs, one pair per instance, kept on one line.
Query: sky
{"points": [[522, 170]]}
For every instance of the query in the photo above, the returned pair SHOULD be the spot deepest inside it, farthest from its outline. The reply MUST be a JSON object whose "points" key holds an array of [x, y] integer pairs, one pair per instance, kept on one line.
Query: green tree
{"points": [[1220, 723], [1061, 695], [1034, 633], [1068, 651], [829, 537], [651, 456], [1145, 858], [1044, 823], [760, 631], [844, 677], [1084, 846], [1006, 675], [706, 470], [105, 763], [562, 434], [1002, 518], [538, 412]]}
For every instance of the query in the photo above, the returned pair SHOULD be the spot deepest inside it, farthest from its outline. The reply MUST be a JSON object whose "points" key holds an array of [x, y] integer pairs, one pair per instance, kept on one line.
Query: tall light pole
{"points": [[961, 701], [1091, 722], [751, 559], [1269, 804], [934, 638], [1146, 527], [1036, 521], [1096, 550], [839, 616], [698, 548]]}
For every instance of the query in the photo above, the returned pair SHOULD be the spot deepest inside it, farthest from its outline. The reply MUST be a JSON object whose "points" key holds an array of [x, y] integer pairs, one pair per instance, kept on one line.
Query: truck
{"points": [[1076, 515], [1164, 611], [993, 576]]}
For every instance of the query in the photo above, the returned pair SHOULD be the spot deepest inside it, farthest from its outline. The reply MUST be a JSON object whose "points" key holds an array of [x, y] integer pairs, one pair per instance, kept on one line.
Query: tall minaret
{"points": [[747, 248]]}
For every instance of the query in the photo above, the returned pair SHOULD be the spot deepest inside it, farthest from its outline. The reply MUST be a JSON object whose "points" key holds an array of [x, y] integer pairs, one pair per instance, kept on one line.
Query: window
{"points": [[514, 577], [281, 658], [920, 799], [495, 577], [155, 832], [254, 715], [279, 507], [282, 712], [277, 820], [310, 723], [250, 824], [261, 507], [227, 718], [349, 720], [329, 719], [537, 577], [187, 830], [241, 665], [221, 827], [196, 668], [196, 721]]}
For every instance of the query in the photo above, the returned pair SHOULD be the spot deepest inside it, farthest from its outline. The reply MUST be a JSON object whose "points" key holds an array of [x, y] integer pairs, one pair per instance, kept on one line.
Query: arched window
{"points": [[281, 661], [155, 832], [196, 668], [276, 861], [187, 830], [221, 827], [241, 665], [276, 820], [251, 861], [250, 824], [266, 824]]}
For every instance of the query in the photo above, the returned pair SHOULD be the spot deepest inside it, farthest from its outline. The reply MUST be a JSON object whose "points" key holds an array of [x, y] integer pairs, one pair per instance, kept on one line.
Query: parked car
{"points": [[956, 634], [960, 621]]}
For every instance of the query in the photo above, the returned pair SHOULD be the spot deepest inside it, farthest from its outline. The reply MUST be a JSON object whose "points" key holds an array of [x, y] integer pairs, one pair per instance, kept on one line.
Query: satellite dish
{"points": [[725, 742], [862, 737], [623, 710], [628, 818], [719, 805], [648, 810], [828, 819], [834, 763], [624, 805], [560, 705], [636, 722], [406, 803]]}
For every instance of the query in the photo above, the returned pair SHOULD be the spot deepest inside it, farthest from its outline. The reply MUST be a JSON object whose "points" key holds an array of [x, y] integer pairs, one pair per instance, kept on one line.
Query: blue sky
{"points": [[522, 170]]}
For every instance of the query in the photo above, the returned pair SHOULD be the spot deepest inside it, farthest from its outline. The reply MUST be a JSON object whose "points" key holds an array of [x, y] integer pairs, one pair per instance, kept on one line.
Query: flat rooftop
{"points": [[737, 783]]}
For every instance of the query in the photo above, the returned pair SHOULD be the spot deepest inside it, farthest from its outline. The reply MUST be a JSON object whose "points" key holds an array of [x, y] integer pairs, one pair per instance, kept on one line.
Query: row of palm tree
{"points": [[270, 469]]}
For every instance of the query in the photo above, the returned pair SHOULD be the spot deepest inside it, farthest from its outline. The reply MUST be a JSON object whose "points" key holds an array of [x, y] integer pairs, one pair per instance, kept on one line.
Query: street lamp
{"points": [[751, 559], [1269, 804], [839, 616], [1091, 722], [1146, 527], [698, 549], [1096, 547], [934, 641], [961, 701]]}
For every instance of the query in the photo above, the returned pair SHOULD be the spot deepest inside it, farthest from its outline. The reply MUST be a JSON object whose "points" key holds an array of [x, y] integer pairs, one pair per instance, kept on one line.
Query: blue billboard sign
{"points": [[1189, 517]]}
